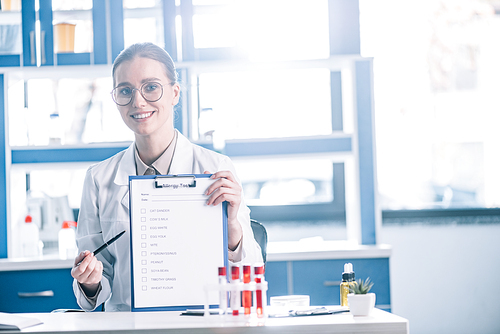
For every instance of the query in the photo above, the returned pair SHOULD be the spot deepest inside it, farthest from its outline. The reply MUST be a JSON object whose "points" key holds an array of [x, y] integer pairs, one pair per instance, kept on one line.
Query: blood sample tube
{"points": [[222, 291], [260, 292], [235, 291], [247, 294]]}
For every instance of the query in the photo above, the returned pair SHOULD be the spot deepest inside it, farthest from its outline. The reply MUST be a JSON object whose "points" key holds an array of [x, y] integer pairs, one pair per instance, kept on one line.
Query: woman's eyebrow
{"points": [[149, 79], [142, 81], [123, 84]]}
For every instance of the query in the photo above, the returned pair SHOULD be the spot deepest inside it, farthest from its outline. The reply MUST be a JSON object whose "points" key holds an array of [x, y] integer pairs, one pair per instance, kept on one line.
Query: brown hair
{"points": [[151, 51]]}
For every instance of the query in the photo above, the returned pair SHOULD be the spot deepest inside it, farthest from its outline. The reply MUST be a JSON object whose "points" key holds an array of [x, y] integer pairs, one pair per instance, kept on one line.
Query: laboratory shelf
{"points": [[233, 148], [50, 154]]}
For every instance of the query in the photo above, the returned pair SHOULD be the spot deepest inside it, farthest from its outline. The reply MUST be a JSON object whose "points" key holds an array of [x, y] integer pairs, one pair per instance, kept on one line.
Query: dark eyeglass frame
{"points": [[140, 92]]}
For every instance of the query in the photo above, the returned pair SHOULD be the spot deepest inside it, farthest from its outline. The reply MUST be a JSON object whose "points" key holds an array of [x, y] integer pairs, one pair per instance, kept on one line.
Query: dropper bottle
{"points": [[347, 282]]}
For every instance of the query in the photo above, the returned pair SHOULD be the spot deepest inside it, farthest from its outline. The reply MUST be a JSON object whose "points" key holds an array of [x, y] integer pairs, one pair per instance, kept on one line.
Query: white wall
{"points": [[445, 278]]}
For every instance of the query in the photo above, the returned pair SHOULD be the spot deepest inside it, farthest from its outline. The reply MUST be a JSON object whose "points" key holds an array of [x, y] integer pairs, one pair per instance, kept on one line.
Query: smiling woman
{"points": [[148, 113], [146, 93]]}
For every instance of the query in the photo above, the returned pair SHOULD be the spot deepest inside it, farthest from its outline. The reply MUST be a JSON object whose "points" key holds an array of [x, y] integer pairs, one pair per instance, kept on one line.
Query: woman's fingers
{"points": [[89, 270], [226, 184]]}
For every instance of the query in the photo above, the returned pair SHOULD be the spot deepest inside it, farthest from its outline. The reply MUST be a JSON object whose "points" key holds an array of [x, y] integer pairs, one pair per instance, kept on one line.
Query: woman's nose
{"points": [[138, 99]]}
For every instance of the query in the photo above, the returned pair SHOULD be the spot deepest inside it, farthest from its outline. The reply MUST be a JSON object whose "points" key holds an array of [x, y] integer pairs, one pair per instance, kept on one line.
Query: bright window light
{"points": [[266, 104], [436, 79]]}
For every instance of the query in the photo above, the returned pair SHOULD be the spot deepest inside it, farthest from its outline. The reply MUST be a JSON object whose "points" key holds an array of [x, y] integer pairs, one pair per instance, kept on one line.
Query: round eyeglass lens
{"points": [[150, 91]]}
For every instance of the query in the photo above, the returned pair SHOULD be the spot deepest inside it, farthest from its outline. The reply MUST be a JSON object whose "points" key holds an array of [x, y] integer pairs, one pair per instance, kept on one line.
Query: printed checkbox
{"points": [[143, 219], [144, 288], [144, 253], [143, 227], [144, 279], [144, 262], [143, 245], [143, 236], [143, 211], [144, 271]]}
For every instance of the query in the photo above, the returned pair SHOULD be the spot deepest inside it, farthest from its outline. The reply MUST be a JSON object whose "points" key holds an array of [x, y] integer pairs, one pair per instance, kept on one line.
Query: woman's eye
{"points": [[125, 91], [151, 87]]}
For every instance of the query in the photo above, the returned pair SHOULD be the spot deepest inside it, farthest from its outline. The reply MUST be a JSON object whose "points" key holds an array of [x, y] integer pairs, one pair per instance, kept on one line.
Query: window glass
{"points": [[143, 22], [72, 22], [10, 28], [71, 4], [264, 104], [264, 29], [64, 111], [286, 181], [436, 79], [214, 30]]}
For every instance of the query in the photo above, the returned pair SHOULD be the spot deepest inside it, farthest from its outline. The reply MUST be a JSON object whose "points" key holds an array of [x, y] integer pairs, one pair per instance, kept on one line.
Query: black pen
{"points": [[105, 245]]}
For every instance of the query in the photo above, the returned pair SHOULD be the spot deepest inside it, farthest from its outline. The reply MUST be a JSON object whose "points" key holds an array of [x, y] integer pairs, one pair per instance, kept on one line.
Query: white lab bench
{"points": [[172, 322]]}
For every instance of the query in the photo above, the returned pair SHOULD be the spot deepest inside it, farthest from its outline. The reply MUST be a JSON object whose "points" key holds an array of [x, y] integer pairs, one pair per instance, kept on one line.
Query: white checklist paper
{"points": [[177, 242]]}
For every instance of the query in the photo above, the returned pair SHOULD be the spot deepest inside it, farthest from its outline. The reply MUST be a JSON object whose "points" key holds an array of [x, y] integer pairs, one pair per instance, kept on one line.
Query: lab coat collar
{"points": [[126, 167], [182, 163]]}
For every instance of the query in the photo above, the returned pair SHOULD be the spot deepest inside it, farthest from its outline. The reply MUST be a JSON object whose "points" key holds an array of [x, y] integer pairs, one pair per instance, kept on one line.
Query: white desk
{"points": [[172, 322]]}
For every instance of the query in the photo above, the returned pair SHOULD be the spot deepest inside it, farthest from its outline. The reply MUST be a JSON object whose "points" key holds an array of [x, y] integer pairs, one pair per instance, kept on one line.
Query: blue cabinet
{"points": [[30, 291], [320, 279]]}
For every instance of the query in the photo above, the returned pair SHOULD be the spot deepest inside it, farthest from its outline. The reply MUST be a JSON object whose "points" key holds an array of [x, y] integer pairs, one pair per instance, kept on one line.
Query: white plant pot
{"points": [[361, 305]]}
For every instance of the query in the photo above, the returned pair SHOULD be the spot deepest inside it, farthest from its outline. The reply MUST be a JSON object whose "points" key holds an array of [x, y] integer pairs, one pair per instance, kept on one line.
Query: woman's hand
{"points": [[88, 272], [226, 188]]}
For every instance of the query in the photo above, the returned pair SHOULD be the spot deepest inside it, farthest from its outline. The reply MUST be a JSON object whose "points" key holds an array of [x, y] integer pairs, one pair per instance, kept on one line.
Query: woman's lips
{"points": [[142, 115]]}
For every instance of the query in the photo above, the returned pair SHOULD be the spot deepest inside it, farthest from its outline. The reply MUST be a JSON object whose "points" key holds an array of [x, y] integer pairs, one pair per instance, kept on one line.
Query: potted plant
{"points": [[360, 300]]}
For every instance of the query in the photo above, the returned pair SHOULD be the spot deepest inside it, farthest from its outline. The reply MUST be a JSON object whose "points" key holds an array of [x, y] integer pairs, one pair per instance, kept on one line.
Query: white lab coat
{"points": [[104, 212]]}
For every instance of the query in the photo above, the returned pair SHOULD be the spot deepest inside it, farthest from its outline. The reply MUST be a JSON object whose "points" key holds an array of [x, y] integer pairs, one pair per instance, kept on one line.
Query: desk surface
{"points": [[172, 322]]}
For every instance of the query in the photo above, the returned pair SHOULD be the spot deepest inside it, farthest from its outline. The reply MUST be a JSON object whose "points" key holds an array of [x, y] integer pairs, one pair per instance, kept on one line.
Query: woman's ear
{"points": [[177, 93]]}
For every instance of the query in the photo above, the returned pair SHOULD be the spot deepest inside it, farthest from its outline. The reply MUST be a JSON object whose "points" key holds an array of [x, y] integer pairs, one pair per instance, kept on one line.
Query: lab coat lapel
{"points": [[125, 168], [182, 161]]}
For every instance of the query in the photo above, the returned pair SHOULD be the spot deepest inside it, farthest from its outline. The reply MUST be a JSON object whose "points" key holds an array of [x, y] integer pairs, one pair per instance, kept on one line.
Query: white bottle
{"points": [[67, 241], [30, 238]]}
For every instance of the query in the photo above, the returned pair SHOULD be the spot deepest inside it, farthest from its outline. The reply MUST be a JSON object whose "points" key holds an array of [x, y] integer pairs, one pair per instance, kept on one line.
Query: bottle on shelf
{"points": [[30, 238], [67, 241]]}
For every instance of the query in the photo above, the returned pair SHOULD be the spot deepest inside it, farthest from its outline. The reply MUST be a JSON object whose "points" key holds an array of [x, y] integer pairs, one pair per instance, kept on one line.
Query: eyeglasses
{"points": [[151, 91]]}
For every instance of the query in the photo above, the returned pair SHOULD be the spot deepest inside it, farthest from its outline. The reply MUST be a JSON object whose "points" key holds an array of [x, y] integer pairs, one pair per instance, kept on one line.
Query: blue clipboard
{"points": [[177, 242]]}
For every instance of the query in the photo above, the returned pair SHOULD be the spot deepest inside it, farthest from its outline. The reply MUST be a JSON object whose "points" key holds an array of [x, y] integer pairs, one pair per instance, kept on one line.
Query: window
{"points": [[67, 111], [236, 107], [265, 103], [436, 79]]}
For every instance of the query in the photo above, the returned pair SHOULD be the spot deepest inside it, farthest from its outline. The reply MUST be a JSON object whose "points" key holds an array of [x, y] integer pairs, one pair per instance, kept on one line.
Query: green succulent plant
{"points": [[361, 287]]}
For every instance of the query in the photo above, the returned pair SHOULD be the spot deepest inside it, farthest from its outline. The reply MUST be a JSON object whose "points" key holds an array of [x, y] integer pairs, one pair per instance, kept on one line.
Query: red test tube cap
{"points": [[259, 269], [235, 272], [247, 270], [222, 271]]}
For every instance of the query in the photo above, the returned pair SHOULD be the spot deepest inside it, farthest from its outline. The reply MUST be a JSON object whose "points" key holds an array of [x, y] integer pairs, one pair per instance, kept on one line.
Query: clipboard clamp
{"points": [[175, 181]]}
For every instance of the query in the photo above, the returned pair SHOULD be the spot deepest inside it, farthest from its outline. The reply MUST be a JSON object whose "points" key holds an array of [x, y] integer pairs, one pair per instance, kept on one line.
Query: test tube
{"points": [[247, 294], [235, 291], [222, 291], [260, 291]]}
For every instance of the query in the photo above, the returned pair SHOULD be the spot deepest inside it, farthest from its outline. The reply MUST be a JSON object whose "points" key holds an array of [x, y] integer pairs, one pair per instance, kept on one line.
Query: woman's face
{"points": [[143, 117]]}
